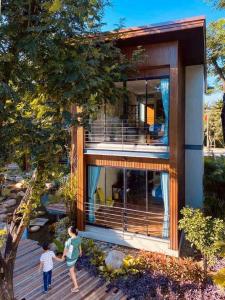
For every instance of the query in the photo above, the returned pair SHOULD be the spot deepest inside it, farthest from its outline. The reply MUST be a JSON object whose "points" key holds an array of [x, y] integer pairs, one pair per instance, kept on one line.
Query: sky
{"points": [[145, 12]]}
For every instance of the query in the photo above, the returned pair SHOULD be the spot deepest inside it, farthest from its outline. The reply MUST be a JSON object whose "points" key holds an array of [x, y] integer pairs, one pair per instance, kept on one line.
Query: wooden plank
{"points": [[81, 174]]}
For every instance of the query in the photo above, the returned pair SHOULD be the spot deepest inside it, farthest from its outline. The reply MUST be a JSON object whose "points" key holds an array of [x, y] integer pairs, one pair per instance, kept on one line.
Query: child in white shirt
{"points": [[46, 265]]}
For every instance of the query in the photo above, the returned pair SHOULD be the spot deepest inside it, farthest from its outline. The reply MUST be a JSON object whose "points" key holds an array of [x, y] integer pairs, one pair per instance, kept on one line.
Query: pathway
{"points": [[28, 281]]}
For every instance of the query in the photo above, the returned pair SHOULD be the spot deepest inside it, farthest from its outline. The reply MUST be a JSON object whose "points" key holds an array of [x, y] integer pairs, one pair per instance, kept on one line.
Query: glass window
{"points": [[130, 200], [140, 117]]}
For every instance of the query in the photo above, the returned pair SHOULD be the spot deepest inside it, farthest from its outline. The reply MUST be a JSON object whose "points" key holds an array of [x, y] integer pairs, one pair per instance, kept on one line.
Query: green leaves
{"points": [[202, 231], [55, 6]]}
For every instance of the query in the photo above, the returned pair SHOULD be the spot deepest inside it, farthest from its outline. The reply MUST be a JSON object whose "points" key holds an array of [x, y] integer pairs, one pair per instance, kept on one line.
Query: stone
{"points": [[10, 203], [38, 222], [114, 259], [53, 247], [18, 178], [20, 194], [40, 213], [34, 228], [13, 166], [13, 195], [3, 217], [3, 210]]}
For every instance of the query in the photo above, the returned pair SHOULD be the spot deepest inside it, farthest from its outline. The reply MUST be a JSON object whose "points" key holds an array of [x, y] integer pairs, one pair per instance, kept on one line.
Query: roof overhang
{"points": [[189, 32]]}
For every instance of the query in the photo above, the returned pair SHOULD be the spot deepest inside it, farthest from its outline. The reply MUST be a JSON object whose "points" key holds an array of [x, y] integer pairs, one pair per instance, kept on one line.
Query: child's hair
{"points": [[74, 230], [45, 246]]}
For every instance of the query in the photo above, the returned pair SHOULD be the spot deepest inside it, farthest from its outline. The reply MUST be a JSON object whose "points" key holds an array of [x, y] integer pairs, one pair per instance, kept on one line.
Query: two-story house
{"points": [[141, 161]]}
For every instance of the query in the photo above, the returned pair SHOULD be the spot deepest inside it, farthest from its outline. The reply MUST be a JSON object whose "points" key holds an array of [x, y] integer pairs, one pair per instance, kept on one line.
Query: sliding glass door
{"points": [[130, 200]]}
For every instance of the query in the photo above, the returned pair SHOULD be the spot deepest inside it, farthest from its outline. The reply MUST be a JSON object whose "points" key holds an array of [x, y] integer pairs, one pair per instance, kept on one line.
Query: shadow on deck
{"points": [[28, 281]]}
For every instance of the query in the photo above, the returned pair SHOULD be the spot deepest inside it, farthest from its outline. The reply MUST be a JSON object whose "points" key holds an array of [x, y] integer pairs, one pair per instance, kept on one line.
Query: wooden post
{"points": [[73, 153]]}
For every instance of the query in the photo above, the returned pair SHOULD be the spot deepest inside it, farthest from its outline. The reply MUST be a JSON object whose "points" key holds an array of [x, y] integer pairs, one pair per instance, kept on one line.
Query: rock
{"points": [[13, 195], [114, 259], [3, 217], [40, 213], [10, 203], [18, 178], [53, 247], [2, 198], [34, 228], [38, 222], [12, 166], [20, 194], [3, 210]]}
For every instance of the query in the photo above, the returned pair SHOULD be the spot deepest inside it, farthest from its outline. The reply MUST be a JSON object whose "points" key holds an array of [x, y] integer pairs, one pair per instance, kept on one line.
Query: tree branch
{"points": [[218, 69]]}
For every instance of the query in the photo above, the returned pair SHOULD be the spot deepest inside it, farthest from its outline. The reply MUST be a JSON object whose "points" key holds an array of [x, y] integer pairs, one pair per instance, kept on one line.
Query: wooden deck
{"points": [[28, 281]]}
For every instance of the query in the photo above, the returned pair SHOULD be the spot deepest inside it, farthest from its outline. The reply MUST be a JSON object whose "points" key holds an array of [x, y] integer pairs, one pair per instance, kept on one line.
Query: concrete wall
{"points": [[194, 166]]}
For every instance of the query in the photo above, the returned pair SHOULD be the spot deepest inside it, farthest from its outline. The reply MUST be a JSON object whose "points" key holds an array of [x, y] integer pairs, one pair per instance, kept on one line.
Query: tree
{"points": [[216, 49], [218, 3], [52, 56], [203, 232], [213, 126]]}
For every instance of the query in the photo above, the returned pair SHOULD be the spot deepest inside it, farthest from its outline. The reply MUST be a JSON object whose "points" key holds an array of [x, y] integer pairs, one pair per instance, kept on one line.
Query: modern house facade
{"points": [[141, 160]]}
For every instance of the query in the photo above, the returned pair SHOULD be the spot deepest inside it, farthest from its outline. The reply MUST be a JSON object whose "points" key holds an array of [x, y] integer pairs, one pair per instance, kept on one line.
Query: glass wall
{"points": [[142, 117], [130, 200]]}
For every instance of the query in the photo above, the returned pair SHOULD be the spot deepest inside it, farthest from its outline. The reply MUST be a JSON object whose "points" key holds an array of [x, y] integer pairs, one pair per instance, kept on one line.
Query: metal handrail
{"points": [[123, 132], [97, 205]]}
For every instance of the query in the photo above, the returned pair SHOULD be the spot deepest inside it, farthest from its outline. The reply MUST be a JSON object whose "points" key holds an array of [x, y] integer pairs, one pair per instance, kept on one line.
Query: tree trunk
{"points": [[6, 282]]}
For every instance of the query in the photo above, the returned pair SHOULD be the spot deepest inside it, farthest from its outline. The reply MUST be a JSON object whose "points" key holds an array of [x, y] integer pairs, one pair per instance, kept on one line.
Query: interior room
{"points": [[130, 200], [141, 119]]}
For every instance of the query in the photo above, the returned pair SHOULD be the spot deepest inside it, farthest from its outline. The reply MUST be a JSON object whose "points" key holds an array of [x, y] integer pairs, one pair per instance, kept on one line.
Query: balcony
{"points": [[126, 136]]}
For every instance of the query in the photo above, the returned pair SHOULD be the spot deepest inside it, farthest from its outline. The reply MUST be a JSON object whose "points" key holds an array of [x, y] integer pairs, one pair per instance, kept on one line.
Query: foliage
{"points": [[149, 276], [203, 232], [218, 3], [3, 234], [59, 245], [216, 48], [219, 278], [214, 186], [52, 56], [215, 132], [177, 269], [61, 229], [68, 194]]}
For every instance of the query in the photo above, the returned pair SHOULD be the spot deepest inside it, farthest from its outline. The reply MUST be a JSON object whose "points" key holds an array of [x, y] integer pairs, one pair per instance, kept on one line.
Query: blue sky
{"points": [[145, 12]]}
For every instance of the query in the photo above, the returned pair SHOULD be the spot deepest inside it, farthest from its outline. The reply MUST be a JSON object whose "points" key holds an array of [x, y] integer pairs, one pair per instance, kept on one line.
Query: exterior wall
{"points": [[132, 240], [163, 56], [194, 90]]}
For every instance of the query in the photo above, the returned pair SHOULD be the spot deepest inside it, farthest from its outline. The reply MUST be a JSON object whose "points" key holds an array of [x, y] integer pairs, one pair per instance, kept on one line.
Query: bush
{"points": [[214, 187], [61, 233], [204, 232], [177, 269]]}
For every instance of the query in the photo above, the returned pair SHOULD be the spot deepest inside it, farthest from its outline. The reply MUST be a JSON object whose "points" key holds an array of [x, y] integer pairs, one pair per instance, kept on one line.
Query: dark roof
{"points": [[190, 32]]}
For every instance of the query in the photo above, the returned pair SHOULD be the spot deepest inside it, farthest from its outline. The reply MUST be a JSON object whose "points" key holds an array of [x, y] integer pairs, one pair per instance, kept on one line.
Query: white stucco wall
{"points": [[194, 166]]}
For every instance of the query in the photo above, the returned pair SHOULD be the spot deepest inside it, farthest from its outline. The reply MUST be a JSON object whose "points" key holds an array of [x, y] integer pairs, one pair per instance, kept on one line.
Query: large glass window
{"points": [[141, 117], [130, 200]]}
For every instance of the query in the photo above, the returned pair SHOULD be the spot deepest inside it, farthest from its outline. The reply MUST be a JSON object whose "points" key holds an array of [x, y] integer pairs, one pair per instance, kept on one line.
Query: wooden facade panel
{"points": [[156, 55], [161, 57], [128, 162], [81, 182]]}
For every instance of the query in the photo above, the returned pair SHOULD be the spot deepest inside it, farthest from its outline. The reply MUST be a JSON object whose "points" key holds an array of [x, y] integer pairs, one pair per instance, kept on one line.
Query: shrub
{"points": [[178, 269], [203, 232], [214, 186], [61, 232]]}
